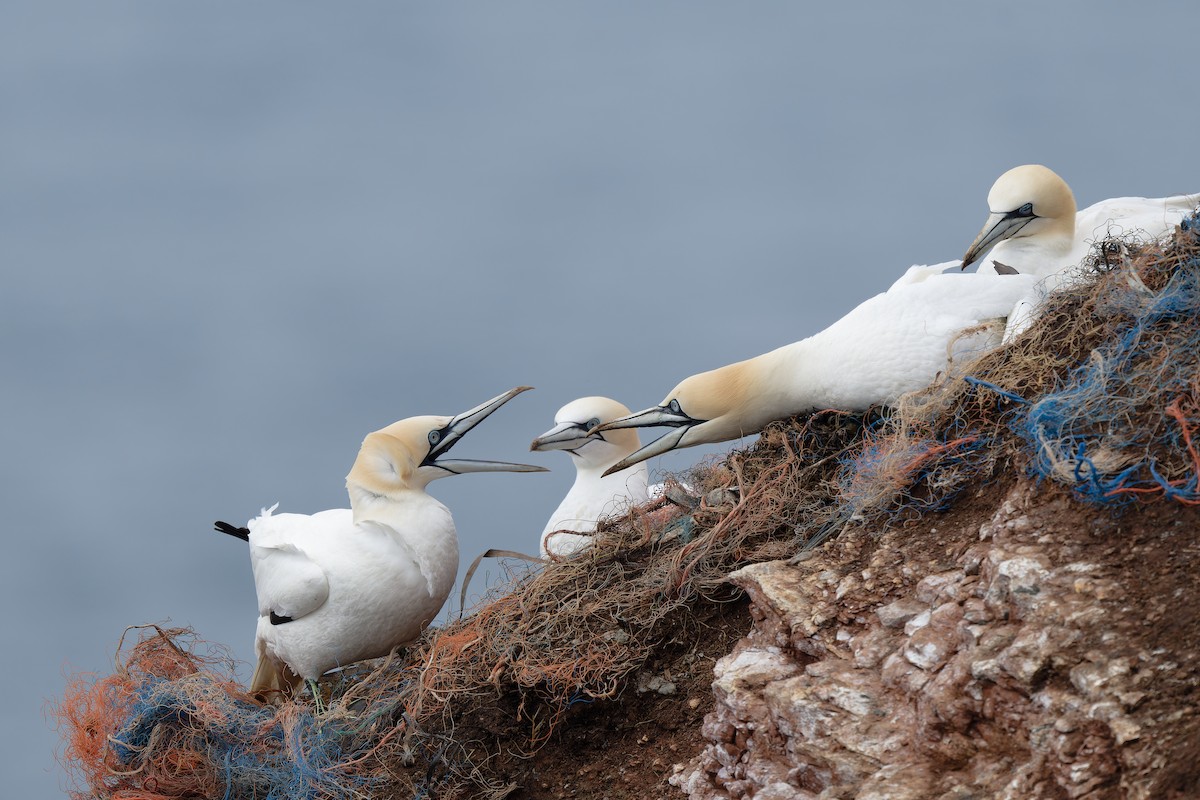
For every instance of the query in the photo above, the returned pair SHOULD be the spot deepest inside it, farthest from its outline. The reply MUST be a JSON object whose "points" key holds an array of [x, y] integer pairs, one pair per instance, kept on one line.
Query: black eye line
{"points": [[430, 460], [585, 427], [1024, 211], [674, 408]]}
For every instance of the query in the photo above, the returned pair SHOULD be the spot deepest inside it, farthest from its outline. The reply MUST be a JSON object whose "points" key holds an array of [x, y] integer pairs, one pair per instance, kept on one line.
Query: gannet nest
{"points": [[1100, 395]]}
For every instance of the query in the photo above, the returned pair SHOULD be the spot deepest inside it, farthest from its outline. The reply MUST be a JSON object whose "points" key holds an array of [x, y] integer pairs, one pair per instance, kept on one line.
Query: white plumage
{"points": [[351, 591], [893, 343], [345, 585], [594, 495], [1033, 227]]}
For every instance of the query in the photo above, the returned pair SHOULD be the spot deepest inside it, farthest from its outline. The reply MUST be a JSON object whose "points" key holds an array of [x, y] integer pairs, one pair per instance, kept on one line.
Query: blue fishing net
{"points": [[1120, 426]]}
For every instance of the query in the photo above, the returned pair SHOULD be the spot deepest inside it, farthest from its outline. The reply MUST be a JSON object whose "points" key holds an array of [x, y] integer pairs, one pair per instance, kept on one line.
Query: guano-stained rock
{"points": [[999, 672]]}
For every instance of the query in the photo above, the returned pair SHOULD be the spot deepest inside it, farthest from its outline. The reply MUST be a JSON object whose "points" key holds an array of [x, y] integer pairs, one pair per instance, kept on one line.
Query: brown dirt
{"points": [[1158, 549], [629, 748]]}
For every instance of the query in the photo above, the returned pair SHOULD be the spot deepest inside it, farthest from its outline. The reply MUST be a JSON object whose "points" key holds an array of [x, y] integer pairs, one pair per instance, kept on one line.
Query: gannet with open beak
{"points": [[350, 584], [893, 343], [595, 493], [1033, 228]]}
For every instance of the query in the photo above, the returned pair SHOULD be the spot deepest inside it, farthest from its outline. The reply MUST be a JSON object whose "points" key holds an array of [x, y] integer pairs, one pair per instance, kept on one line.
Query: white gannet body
{"points": [[1033, 227], [594, 495], [893, 343], [332, 592], [350, 584]]}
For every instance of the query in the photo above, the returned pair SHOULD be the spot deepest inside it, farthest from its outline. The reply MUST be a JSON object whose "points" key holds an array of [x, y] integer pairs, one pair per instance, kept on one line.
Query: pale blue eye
{"points": [[435, 437]]}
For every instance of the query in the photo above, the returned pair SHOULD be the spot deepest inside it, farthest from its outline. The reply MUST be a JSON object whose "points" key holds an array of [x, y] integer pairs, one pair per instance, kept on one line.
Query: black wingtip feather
{"points": [[232, 530]]}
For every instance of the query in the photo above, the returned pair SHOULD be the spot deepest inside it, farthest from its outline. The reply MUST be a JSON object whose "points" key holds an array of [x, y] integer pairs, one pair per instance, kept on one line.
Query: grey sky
{"points": [[237, 237]]}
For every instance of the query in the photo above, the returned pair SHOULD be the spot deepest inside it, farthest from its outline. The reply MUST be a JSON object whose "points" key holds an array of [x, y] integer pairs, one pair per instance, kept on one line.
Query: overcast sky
{"points": [[237, 237]]}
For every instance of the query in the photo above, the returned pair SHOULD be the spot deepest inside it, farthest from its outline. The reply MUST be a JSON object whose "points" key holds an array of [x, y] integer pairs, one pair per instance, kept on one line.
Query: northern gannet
{"points": [[353, 583], [893, 343], [1032, 225], [1033, 228], [595, 493]]}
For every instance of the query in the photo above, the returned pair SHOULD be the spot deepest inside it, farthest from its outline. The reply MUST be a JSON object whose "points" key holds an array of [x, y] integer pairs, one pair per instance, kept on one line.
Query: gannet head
{"points": [[407, 455], [572, 432], [713, 406], [1030, 200]]}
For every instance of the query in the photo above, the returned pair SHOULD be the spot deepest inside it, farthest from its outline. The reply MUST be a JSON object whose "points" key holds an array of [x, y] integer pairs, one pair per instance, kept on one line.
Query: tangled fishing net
{"points": [[1099, 395], [172, 722], [1120, 427]]}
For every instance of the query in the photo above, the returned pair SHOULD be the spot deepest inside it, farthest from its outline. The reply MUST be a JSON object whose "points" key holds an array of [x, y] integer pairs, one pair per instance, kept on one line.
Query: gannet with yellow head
{"points": [[350, 584], [595, 494], [893, 343], [1033, 228]]}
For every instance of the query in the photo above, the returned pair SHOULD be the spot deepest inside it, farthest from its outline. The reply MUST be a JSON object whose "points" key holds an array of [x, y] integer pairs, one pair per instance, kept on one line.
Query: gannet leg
{"points": [[318, 704]]}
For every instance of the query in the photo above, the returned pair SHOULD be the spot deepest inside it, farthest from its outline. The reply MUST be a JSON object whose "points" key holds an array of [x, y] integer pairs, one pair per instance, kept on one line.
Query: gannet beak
{"points": [[445, 438], [659, 446], [659, 415], [999, 226], [565, 436], [651, 417]]}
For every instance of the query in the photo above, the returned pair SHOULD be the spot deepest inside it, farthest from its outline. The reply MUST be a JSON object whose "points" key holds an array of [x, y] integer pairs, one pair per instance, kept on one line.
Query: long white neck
{"points": [[631, 481], [590, 498], [1043, 254], [371, 506], [793, 379], [740, 399]]}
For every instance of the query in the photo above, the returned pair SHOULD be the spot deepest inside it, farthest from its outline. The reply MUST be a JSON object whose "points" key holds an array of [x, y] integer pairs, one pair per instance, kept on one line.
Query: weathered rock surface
{"points": [[1031, 656]]}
